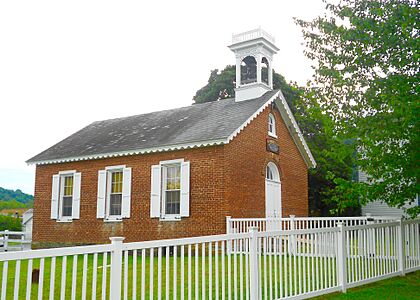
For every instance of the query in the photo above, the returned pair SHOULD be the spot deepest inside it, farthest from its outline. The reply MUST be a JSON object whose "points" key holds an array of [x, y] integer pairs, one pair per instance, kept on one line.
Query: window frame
{"points": [[163, 165], [109, 171], [62, 175], [272, 126]]}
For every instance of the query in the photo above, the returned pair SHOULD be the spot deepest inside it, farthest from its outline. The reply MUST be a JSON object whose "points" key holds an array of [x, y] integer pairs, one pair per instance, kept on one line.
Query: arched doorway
{"points": [[272, 192]]}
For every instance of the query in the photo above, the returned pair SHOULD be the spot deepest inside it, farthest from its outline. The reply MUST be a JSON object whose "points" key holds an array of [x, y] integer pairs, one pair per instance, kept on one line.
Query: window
{"points": [[114, 193], [271, 125], [65, 196], [272, 172], [170, 190], [269, 173]]}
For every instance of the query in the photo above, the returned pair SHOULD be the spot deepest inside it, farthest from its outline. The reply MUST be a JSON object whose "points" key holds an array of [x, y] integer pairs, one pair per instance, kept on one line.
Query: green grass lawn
{"points": [[197, 263], [409, 284], [405, 287]]}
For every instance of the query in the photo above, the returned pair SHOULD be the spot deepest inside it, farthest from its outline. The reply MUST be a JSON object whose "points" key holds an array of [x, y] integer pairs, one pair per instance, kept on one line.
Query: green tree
{"points": [[366, 56], [316, 128], [11, 204], [17, 195], [10, 223], [221, 85]]}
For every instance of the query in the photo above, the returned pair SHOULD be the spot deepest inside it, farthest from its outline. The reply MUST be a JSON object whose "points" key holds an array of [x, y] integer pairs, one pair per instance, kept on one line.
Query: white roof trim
{"points": [[301, 144], [130, 152], [237, 131]]}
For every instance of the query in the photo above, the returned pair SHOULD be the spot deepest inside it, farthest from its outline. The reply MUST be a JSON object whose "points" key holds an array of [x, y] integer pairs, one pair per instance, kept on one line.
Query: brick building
{"points": [[178, 172]]}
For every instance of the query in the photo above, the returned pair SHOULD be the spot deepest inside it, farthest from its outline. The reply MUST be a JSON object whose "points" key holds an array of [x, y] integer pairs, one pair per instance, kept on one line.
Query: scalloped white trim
{"points": [[237, 131], [299, 133], [131, 152]]}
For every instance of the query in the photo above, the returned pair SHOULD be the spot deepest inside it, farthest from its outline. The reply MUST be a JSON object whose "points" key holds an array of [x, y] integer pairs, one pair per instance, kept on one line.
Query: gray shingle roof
{"points": [[205, 122]]}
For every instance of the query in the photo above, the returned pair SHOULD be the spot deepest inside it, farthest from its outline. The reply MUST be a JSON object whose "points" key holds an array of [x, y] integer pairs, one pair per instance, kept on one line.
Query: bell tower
{"points": [[254, 51]]}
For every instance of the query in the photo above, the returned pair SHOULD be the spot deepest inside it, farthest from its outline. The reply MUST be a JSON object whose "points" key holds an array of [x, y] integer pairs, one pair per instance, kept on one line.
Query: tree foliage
{"points": [[316, 128], [17, 195], [13, 204], [10, 223], [366, 55], [221, 85]]}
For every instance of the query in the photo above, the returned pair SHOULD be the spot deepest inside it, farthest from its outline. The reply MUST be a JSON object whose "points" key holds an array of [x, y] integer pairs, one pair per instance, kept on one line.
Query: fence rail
{"points": [[14, 241], [239, 225], [295, 263]]}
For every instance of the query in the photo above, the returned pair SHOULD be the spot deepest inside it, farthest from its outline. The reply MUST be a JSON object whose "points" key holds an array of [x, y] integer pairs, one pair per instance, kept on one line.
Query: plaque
{"points": [[273, 147]]}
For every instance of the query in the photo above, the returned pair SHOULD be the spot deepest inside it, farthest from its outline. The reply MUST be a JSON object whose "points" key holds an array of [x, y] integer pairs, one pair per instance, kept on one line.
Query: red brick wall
{"points": [[246, 159], [207, 209], [225, 180]]}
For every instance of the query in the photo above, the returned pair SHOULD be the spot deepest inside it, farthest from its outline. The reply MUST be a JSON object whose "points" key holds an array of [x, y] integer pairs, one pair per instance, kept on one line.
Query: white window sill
{"points": [[170, 218], [272, 135], [64, 220], [113, 220]]}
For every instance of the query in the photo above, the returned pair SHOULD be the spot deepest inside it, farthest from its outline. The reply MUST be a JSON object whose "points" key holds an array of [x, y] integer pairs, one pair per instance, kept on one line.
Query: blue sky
{"points": [[65, 64]]}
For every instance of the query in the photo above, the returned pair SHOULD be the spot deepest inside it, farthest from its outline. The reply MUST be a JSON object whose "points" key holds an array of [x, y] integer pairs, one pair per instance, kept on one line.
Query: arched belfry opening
{"points": [[264, 70], [248, 70], [254, 51]]}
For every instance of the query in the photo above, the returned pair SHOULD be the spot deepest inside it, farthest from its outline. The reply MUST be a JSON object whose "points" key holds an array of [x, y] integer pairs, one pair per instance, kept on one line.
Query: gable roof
{"points": [[206, 124]]}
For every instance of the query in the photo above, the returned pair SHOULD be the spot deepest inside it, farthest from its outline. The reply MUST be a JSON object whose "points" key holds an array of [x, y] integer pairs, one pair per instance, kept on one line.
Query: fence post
{"points": [[371, 235], [116, 267], [6, 240], [341, 258], [253, 264], [401, 248], [292, 237], [229, 231], [228, 225]]}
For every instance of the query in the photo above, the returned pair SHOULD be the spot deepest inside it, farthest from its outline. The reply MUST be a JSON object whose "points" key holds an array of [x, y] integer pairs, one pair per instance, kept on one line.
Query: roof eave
{"points": [[129, 152], [295, 131]]}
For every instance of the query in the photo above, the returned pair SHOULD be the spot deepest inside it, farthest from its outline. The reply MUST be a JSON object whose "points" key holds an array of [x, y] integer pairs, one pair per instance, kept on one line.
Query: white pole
{"points": [[401, 248], [228, 231], [6, 240], [341, 258], [253, 263], [228, 224], [292, 237], [371, 235], [116, 267]]}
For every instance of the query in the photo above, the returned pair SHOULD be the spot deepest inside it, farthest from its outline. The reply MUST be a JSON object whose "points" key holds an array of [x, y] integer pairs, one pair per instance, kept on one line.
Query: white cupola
{"points": [[254, 52]]}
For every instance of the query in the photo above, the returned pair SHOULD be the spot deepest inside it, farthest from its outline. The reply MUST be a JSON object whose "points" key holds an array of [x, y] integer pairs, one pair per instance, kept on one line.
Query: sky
{"points": [[65, 64]]}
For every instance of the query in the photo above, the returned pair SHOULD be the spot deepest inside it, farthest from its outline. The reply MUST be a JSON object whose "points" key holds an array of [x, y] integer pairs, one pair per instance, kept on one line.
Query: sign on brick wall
{"points": [[272, 146]]}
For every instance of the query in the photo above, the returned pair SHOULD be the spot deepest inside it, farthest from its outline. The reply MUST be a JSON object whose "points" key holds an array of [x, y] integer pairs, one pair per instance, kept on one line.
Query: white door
{"points": [[272, 199], [272, 196]]}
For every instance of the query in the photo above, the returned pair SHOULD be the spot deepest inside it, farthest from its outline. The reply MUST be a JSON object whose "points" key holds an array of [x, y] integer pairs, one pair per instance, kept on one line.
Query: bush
{"points": [[10, 223]]}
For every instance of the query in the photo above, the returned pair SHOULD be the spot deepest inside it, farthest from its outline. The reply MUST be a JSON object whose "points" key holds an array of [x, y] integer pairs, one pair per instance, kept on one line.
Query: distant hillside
{"points": [[17, 195]]}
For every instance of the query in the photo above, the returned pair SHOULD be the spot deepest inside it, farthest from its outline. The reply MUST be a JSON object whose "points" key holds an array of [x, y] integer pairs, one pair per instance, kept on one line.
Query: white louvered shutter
{"points": [[126, 193], [100, 208], [54, 196], [76, 195], [185, 189], [155, 189]]}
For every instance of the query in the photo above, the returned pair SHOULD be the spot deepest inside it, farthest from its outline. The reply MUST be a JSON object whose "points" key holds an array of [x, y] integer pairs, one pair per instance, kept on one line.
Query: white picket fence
{"points": [[238, 225], [292, 264], [14, 241]]}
